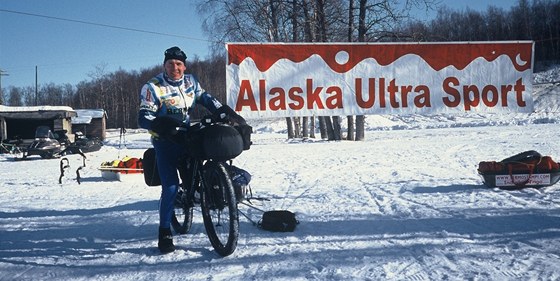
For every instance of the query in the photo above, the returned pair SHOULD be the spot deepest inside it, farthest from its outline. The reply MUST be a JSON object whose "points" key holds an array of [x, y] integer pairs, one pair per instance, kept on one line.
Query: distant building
{"points": [[21, 121], [91, 122]]}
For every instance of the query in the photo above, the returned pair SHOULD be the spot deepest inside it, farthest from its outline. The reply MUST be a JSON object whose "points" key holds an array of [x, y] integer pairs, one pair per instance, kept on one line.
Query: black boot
{"points": [[165, 243]]}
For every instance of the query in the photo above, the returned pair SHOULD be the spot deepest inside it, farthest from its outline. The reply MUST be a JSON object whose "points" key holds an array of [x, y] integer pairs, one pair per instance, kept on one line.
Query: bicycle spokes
{"points": [[219, 209]]}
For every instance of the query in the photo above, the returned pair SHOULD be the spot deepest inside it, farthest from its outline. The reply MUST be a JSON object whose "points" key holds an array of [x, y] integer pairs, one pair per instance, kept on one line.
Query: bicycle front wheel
{"points": [[219, 209]]}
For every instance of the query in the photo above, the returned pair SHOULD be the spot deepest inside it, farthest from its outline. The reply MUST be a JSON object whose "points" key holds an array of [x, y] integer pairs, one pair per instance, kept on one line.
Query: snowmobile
{"points": [[82, 144], [62, 137], [86, 144], [44, 145]]}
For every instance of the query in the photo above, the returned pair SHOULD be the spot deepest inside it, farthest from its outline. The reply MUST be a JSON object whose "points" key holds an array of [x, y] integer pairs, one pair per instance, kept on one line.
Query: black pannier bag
{"points": [[278, 221], [218, 142], [149, 165]]}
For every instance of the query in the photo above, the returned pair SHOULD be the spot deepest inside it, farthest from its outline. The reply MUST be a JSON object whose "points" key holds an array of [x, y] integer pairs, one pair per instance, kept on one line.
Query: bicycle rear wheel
{"points": [[182, 215], [219, 209]]}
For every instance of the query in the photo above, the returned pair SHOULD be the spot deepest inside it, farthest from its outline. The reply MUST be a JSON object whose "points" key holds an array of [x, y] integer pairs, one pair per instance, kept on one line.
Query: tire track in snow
{"points": [[383, 197], [398, 206], [425, 262]]}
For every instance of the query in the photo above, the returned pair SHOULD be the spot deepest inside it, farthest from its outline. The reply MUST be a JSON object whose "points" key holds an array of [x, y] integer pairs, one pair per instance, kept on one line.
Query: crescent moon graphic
{"points": [[519, 61]]}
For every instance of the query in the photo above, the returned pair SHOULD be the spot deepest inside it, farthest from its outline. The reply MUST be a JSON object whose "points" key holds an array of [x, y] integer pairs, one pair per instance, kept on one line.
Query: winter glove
{"points": [[227, 113], [165, 126]]}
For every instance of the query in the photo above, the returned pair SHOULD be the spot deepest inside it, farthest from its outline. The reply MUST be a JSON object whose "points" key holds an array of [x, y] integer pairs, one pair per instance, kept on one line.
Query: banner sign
{"points": [[280, 79]]}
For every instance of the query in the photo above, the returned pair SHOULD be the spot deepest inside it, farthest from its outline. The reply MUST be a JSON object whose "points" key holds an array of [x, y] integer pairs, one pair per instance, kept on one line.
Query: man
{"points": [[165, 101]]}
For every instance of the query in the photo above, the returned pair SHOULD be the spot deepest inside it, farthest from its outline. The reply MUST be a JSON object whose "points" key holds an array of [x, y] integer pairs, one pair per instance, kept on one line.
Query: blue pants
{"points": [[167, 157]]}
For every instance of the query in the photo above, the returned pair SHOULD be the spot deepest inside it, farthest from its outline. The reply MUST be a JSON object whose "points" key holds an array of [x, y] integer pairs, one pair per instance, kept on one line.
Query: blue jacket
{"points": [[163, 97]]}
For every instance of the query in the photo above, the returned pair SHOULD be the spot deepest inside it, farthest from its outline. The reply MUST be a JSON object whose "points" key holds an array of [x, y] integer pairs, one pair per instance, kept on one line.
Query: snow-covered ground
{"points": [[405, 204]]}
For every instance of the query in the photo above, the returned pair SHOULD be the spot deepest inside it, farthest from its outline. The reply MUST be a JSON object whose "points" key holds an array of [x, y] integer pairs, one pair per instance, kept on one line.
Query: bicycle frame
{"points": [[218, 203], [191, 174], [10, 148]]}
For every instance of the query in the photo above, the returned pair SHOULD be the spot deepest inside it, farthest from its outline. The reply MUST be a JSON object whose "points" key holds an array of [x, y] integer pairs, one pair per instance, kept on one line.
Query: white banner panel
{"points": [[280, 79]]}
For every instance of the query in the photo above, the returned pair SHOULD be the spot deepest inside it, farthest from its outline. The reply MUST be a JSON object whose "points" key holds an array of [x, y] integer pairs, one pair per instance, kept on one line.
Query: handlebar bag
{"points": [[218, 142]]}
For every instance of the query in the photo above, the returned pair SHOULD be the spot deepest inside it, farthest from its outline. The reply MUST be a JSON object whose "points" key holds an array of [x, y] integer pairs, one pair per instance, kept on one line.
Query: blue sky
{"points": [[68, 52]]}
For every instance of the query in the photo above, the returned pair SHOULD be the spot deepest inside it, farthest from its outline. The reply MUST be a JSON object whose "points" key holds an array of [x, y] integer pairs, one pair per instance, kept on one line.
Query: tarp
{"points": [[324, 79]]}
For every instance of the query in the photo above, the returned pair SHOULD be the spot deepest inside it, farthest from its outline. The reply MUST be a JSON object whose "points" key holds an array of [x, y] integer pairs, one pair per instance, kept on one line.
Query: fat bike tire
{"points": [[182, 220], [182, 215], [219, 209]]}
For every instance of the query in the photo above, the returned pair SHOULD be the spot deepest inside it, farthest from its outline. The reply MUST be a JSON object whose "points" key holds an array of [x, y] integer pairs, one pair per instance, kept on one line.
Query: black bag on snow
{"points": [[278, 221], [218, 142], [149, 165]]}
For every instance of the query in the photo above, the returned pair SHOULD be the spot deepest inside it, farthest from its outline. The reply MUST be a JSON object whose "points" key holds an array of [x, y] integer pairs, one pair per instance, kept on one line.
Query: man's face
{"points": [[174, 69]]}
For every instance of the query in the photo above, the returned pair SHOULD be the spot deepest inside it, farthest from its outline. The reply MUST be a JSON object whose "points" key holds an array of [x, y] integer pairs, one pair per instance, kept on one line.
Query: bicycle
{"points": [[11, 147], [205, 181]]}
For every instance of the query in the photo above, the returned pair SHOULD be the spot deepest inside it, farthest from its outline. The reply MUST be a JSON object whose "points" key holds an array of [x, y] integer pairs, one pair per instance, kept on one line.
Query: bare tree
{"points": [[350, 134], [28, 95], [67, 94], [15, 96], [99, 76]]}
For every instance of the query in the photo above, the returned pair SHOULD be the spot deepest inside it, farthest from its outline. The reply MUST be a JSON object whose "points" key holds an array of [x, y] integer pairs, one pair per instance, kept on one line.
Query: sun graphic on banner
{"points": [[342, 57]]}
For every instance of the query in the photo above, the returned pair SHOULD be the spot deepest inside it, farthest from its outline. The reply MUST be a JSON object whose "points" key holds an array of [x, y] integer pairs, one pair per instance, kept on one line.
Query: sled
{"points": [[121, 170], [119, 174], [526, 169], [516, 181]]}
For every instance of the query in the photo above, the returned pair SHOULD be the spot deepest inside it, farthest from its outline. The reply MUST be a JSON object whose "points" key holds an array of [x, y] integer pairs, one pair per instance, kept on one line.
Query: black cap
{"points": [[176, 54]]}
